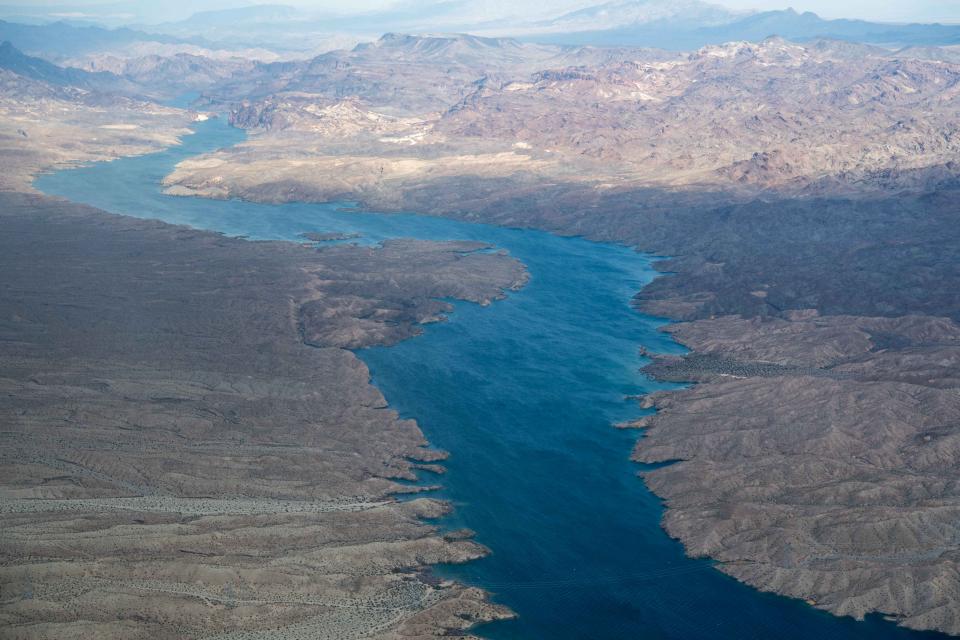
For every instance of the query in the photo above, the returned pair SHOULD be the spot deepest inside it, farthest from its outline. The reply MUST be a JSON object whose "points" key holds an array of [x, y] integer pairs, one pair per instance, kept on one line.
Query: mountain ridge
{"points": [[15, 61], [787, 23], [680, 25]]}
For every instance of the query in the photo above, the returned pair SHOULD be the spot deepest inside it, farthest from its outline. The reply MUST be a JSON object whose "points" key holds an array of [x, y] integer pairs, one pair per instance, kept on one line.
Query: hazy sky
{"points": [[894, 10], [884, 10], [888, 10]]}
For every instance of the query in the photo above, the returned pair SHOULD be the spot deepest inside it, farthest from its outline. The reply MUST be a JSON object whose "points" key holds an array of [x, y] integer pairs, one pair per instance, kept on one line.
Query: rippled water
{"points": [[523, 394]]}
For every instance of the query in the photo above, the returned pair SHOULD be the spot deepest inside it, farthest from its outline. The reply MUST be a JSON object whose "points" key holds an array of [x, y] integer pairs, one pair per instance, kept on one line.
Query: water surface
{"points": [[523, 394]]}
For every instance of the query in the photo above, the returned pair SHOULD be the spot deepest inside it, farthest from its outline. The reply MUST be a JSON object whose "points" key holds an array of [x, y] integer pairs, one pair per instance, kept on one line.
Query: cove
{"points": [[523, 394]]}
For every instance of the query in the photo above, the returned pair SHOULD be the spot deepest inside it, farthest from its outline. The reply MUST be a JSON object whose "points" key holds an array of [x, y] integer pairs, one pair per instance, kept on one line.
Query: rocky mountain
{"points": [[804, 26], [160, 77], [94, 48], [942, 54], [682, 25], [405, 74], [168, 76], [699, 117], [744, 118], [455, 49]]}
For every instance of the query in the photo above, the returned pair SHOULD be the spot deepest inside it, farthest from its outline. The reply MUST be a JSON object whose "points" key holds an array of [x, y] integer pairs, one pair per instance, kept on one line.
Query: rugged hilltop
{"points": [[742, 119]]}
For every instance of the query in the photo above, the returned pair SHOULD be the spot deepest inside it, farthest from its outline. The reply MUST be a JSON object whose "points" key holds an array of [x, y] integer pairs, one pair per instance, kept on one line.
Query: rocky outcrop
{"points": [[372, 296]]}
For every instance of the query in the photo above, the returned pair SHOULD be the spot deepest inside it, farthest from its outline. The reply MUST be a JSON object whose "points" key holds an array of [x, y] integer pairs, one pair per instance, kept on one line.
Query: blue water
{"points": [[523, 394]]}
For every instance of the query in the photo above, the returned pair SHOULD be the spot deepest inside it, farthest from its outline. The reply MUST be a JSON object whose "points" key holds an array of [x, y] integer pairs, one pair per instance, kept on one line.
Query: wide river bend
{"points": [[524, 395]]}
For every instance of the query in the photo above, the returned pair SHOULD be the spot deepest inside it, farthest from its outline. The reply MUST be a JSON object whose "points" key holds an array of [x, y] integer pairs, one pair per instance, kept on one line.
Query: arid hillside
{"points": [[188, 447], [741, 120]]}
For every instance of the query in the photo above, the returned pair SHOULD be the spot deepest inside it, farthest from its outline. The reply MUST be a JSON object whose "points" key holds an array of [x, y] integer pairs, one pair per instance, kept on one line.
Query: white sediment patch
{"points": [[411, 139]]}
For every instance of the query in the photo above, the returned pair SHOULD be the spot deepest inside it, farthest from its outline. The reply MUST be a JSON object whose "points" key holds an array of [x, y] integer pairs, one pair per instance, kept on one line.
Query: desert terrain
{"points": [[806, 198]]}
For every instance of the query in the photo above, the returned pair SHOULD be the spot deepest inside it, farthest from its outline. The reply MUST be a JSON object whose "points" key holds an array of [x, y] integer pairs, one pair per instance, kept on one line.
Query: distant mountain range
{"points": [[625, 13], [666, 24], [39, 70], [65, 39], [677, 31]]}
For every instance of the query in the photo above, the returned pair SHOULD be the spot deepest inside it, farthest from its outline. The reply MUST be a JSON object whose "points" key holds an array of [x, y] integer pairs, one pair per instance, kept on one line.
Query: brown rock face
{"points": [[177, 463]]}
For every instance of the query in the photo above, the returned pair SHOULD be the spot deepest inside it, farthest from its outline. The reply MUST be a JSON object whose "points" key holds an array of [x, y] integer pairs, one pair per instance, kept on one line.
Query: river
{"points": [[523, 394]]}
